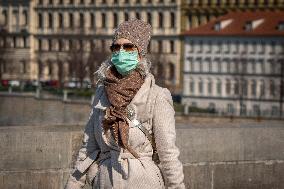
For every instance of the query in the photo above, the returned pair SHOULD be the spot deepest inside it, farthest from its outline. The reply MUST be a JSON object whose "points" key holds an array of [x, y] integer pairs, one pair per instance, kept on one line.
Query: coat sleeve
{"points": [[165, 138], [87, 153]]}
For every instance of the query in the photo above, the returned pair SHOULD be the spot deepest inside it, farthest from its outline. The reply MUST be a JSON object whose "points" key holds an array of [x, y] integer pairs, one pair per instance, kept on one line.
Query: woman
{"points": [[131, 118]]}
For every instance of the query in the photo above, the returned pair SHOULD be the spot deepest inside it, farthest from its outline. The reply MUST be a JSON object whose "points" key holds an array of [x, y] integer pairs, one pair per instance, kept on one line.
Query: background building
{"points": [[235, 64], [67, 39]]}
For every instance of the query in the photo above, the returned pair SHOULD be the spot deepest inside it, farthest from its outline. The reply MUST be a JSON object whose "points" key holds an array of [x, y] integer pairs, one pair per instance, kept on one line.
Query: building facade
{"points": [[235, 64], [42, 33]]}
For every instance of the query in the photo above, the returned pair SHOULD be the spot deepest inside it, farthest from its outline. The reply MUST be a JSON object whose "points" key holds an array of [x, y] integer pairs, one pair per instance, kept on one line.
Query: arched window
{"points": [[40, 20], [115, 20], [161, 20], [173, 20]]}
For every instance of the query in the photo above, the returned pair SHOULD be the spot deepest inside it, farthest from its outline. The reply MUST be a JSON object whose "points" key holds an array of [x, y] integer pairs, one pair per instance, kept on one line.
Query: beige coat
{"points": [[116, 168]]}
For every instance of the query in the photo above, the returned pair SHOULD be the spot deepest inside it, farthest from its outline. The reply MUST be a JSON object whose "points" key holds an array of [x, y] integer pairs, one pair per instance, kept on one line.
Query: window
{"points": [[160, 46], [25, 15], [219, 66], [256, 110], [126, 16], [244, 88], [243, 109], [191, 86], [228, 87], [50, 20], [219, 87], [191, 66], [210, 66], [115, 20], [24, 66], [149, 18], [50, 70], [92, 20], [137, 15], [60, 45], [171, 71], [253, 88], [81, 20], [209, 86], [50, 2], [212, 106], [5, 17], [82, 2], [103, 20], [172, 46], [161, 20], [173, 20], [71, 20], [253, 67], [230, 108], [39, 44], [60, 20], [200, 86], [236, 87], [40, 20], [272, 88], [49, 45], [262, 89], [275, 111]]}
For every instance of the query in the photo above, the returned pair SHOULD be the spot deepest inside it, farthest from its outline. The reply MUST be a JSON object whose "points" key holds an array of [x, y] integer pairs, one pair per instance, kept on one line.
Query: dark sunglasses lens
{"points": [[115, 47], [129, 47]]}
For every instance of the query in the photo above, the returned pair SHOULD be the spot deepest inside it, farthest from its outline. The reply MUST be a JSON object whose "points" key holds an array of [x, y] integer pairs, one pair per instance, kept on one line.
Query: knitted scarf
{"points": [[120, 91]]}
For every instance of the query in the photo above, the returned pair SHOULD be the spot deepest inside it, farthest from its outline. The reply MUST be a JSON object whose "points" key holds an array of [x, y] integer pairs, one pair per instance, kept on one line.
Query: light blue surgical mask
{"points": [[124, 61]]}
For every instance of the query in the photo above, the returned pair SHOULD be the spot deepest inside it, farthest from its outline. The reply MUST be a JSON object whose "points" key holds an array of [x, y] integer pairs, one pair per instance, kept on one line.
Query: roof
{"points": [[243, 23]]}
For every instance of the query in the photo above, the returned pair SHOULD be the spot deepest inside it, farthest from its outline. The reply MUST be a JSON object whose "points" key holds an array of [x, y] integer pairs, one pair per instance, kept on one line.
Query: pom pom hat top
{"points": [[136, 31]]}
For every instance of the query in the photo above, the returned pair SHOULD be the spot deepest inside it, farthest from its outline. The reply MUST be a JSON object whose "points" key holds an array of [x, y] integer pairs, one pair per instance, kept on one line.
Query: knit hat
{"points": [[136, 31]]}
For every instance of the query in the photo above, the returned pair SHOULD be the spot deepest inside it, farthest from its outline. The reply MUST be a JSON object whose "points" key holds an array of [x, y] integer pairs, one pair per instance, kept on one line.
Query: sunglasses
{"points": [[126, 46]]}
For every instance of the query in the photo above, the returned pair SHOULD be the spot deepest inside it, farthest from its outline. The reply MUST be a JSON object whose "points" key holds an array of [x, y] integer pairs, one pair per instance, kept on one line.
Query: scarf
{"points": [[120, 91]]}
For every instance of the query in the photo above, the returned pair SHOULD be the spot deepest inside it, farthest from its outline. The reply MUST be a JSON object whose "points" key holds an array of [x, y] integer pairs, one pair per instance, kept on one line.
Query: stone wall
{"points": [[231, 156], [217, 153], [28, 110]]}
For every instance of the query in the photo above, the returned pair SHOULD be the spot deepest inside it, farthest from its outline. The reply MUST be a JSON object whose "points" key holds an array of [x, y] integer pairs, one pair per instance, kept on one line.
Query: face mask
{"points": [[125, 62]]}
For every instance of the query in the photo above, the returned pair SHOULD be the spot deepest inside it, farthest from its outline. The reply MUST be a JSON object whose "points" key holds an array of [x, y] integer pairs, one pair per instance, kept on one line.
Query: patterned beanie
{"points": [[136, 31]]}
